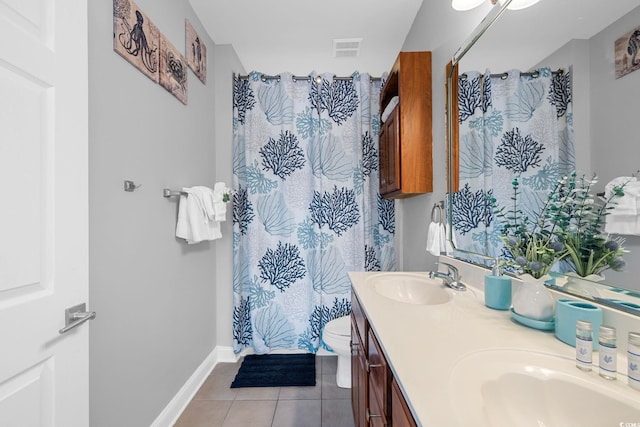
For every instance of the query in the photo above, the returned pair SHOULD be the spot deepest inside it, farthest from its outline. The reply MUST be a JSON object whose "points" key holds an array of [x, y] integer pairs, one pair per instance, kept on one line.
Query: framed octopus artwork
{"points": [[627, 53], [196, 52], [136, 38]]}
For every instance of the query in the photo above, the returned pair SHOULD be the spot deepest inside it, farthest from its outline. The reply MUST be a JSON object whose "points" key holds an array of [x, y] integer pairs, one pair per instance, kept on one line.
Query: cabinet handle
{"points": [[370, 415], [369, 365]]}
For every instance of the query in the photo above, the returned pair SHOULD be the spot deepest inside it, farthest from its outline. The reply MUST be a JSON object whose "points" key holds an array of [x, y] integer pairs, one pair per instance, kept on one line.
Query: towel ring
{"points": [[438, 212]]}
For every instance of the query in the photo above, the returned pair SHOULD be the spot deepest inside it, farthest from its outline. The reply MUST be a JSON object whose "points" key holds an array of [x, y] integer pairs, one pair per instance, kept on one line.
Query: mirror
{"points": [[581, 34]]}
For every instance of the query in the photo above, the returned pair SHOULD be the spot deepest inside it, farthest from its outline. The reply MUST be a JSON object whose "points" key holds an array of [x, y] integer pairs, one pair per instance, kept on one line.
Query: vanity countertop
{"points": [[424, 343]]}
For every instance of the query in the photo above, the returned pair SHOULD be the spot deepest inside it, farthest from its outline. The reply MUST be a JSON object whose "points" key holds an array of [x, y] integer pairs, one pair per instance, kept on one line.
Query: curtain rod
{"points": [[265, 77], [504, 75]]}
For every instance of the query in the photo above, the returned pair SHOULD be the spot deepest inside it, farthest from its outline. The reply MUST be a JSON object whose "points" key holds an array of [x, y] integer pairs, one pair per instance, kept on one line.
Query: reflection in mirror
{"points": [[578, 38]]}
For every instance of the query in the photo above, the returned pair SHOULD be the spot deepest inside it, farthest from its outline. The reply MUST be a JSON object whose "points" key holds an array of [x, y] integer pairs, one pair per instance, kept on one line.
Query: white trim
{"points": [[170, 414]]}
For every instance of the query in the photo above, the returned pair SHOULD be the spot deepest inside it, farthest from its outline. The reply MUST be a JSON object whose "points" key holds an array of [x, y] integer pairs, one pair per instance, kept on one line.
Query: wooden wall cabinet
{"points": [[405, 141], [374, 399]]}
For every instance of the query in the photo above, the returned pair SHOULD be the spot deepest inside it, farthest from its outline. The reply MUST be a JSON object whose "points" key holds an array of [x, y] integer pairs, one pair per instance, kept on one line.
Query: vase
{"points": [[583, 286], [533, 300]]}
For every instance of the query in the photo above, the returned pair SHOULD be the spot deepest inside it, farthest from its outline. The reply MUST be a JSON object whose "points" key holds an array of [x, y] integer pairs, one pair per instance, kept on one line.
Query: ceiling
{"points": [[297, 36]]}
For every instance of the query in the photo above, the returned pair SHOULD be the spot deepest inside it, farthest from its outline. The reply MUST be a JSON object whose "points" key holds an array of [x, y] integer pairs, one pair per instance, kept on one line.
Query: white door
{"points": [[43, 212]]}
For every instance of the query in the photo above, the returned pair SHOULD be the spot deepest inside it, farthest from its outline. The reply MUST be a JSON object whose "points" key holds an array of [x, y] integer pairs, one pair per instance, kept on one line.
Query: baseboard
{"points": [[178, 404]]}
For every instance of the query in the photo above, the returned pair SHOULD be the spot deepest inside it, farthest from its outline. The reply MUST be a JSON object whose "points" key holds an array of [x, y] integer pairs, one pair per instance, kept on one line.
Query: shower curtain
{"points": [[306, 208], [512, 126]]}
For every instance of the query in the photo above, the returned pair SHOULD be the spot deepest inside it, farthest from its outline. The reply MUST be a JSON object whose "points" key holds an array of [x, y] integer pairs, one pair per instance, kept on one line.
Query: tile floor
{"points": [[217, 405]]}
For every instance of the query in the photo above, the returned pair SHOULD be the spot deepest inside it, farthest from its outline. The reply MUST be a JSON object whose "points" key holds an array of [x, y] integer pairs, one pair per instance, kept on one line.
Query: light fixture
{"points": [[470, 4], [521, 4], [465, 4]]}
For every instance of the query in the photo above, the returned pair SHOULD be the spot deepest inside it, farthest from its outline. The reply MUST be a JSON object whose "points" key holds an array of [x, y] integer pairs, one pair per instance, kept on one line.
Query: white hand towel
{"points": [[196, 216], [183, 229], [389, 109], [627, 204], [219, 207], [433, 238], [622, 224]]}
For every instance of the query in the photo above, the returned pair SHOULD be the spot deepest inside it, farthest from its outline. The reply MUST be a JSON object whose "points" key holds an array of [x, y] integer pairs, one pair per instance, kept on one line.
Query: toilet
{"points": [[337, 336]]}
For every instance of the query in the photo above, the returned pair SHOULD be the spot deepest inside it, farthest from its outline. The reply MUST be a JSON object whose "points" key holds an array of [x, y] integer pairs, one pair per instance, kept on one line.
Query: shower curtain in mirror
{"points": [[306, 208], [512, 125]]}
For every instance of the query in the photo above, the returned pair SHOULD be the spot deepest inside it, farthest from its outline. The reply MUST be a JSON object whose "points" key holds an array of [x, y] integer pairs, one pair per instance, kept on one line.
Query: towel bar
{"points": [[169, 193]]}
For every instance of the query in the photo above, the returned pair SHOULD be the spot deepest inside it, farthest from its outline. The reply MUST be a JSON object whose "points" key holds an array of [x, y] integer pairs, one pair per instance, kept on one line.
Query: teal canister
{"points": [[568, 312], [497, 289]]}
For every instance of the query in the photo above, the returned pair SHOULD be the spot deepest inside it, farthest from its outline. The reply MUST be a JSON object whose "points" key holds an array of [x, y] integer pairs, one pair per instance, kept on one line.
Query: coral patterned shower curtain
{"points": [[512, 125], [306, 207]]}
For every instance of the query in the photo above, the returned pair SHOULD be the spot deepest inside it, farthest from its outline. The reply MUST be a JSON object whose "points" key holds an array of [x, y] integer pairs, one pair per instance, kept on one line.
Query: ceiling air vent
{"points": [[346, 48]]}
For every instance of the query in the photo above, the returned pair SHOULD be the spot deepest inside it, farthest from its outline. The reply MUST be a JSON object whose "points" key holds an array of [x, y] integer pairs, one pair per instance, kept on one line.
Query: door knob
{"points": [[76, 316]]}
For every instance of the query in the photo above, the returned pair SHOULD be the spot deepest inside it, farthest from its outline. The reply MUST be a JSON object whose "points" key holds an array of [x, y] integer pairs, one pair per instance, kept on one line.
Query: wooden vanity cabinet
{"points": [[359, 379], [374, 400], [405, 141], [400, 413], [359, 385]]}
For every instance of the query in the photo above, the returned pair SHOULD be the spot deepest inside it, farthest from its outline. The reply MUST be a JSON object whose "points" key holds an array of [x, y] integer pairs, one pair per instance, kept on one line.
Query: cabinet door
{"points": [[389, 150], [358, 377], [379, 382], [375, 413], [400, 413]]}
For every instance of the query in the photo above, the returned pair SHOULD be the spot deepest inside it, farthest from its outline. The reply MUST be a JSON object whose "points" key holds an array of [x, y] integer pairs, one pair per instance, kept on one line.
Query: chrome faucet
{"points": [[451, 278]]}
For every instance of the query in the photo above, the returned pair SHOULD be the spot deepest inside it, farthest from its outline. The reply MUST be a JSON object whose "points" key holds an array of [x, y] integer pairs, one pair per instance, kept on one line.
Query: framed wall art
{"points": [[196, 52], [136, 38], [173, 70], [627, 53]]}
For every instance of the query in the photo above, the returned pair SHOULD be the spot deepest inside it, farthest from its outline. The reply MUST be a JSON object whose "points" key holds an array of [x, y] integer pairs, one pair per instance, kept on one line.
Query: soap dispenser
{"points": [[497, 289]]}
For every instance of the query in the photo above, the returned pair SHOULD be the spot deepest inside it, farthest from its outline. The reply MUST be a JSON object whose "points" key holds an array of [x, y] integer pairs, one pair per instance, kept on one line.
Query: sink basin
{"points": [[520, 388], [410, 288]]}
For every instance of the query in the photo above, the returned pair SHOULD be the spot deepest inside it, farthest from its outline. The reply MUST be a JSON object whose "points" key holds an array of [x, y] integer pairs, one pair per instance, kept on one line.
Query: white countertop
{"points": [[423, 344]]}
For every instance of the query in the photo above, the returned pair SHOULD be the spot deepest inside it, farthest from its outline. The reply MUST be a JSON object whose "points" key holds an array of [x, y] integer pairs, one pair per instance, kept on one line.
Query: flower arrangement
{"points": [[589, 251], [532, 244], [567, 228]]}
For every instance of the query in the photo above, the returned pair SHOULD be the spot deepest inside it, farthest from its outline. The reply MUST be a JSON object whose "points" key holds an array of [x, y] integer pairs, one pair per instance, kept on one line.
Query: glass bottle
{"points": [[584, 345], [633, 356], [608, 352]]}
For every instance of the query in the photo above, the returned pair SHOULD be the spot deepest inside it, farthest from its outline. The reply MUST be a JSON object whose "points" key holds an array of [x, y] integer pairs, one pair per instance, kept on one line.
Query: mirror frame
{"points": [[452, 111], [453, 154]]}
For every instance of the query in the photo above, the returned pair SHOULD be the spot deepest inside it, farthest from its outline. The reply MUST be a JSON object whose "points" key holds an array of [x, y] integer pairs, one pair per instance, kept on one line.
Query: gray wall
{"points": [[442, 30], [226, 60], [155, 296], [615, 144]]}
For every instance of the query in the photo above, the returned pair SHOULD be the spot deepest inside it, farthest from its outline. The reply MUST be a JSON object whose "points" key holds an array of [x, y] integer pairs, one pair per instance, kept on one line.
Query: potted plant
{"points": [[532, 247], [589, 251]]}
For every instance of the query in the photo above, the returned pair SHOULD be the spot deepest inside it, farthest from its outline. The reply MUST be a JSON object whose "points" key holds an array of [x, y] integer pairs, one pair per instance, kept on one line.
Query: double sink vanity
{"points": [[427, 355]]}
